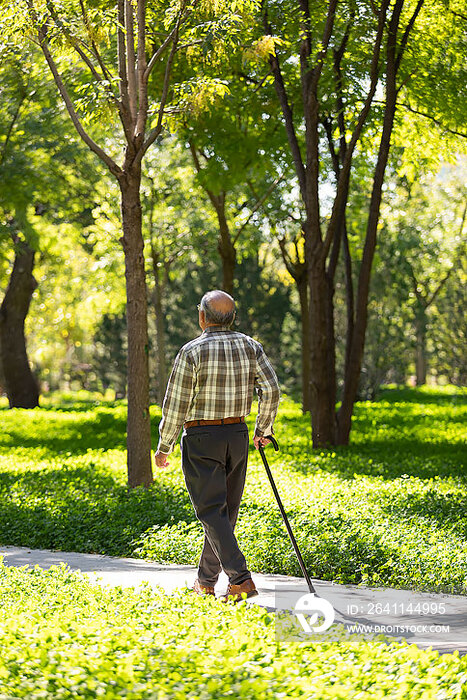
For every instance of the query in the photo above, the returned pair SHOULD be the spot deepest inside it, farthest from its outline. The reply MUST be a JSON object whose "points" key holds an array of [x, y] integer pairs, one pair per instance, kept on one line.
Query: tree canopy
{"points": [[299, 160]]}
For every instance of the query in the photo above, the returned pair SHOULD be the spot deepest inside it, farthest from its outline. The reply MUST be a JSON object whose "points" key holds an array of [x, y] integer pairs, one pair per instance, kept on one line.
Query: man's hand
{"points": [[257, 440], [160, 459]]}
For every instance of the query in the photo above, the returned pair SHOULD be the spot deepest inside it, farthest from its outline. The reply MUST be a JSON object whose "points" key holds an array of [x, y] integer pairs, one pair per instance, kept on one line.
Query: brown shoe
{"points": [[239, 591], [202, 590]]}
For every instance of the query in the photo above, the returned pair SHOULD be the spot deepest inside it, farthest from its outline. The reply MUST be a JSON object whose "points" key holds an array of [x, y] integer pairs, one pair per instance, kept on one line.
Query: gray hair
{"points": [[213, 315]]}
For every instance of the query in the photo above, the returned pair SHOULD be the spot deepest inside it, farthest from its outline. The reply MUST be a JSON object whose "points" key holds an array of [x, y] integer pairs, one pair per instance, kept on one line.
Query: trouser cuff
{"points": [[240, 578]]}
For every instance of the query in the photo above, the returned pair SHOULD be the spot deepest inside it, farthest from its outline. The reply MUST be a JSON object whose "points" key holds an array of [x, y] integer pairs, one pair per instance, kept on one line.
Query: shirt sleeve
{"points": [[177, 401], [267, 388]]}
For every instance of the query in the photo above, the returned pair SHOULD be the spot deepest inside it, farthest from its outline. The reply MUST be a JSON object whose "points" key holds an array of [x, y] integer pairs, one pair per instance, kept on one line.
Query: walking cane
{"points": [[283, 513]]}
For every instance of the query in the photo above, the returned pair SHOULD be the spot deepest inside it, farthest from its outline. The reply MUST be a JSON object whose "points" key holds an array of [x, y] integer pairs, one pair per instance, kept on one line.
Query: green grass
{"points": [[390, 509], [63, 637]]}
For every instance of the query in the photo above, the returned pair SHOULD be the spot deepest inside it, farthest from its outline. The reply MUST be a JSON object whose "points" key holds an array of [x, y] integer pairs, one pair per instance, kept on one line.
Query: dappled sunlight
{"points": [[387, 510]]}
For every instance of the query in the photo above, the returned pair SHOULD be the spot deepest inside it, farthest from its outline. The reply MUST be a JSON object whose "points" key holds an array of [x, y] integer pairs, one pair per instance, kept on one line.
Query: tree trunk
{"points": [[302, 286], [421, 354], [21, 386], [331, 342], [323, 387], [349, 297], [355, 356], [323, 390], [225, 246], [229, 263], [138, 422]]}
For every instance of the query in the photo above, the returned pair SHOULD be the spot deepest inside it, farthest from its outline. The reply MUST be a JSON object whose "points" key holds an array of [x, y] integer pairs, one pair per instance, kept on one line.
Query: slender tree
{"points": [[117, 49], [340, 71], [20, 383]]}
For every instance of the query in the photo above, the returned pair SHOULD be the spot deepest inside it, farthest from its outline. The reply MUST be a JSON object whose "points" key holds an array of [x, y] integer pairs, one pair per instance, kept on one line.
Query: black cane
{"points": [[283, 513]]}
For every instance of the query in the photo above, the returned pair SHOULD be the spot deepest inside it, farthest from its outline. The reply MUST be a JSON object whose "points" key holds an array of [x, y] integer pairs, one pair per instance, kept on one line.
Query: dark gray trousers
{"points": [[214, 460]]}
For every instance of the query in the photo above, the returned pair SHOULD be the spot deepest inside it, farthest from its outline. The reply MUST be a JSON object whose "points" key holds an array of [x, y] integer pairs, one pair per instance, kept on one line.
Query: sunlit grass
{"points": [[390, 509], [63, 637]]}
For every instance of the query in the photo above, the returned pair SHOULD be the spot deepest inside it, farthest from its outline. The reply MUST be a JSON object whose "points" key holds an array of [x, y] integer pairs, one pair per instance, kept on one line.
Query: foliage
{"points": [[45, 199], [73, 220], [431, 105], [40, 164], [264, 320], [75, 639], [419, 279], [111, 342], [388, 510], [80, 275], [449, 359]]}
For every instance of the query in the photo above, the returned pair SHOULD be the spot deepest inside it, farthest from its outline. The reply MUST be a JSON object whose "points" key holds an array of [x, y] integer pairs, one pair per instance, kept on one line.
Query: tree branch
{"points": [[458, 14], [332, 266], [130, 59], [155, 57], [105, 75], [286, 258], [194, 154], [305, 49], [258, 204], [73, 41], [121, 48], [287, 113], [337, 60], [326, 122], [95, 50], [433, 119], [142, 83], [343, 181], [327, 33], [82, 54], [339, 157], [165, 89], [406, 34], [42, 36]]}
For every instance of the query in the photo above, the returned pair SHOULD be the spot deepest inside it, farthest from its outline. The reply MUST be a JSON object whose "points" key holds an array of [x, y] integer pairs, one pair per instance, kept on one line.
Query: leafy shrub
{"points": [[390, 509], [63, 637]]}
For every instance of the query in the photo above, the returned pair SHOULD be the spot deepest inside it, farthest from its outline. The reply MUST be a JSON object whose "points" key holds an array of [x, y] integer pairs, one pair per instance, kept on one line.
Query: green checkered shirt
{"points": [[214, 376]]}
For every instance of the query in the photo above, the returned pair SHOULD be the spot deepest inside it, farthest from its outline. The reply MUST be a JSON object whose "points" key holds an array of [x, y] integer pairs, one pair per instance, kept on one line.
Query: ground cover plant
{"points": [[391, 509], [64, 637]]}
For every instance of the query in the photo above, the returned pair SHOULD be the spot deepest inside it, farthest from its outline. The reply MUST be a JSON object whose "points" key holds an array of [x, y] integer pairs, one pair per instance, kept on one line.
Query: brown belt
{"points": [[221, 421]]}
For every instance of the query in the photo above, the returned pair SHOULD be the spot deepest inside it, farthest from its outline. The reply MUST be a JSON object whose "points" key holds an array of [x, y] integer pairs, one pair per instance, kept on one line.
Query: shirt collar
{"points": [[215, 329]]}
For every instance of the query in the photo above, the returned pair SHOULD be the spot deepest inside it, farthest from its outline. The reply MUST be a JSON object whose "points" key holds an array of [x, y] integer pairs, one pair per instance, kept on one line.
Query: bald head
{"points": [[218, 307]]}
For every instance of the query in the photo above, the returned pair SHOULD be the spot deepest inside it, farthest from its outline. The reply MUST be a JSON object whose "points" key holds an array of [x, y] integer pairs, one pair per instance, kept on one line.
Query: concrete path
{"points": [[426, 619]]}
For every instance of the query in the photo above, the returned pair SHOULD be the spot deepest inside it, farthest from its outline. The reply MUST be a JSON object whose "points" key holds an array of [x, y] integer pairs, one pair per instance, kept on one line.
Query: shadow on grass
{"points": [[395, 452], [80, 406], [71, 406], [401, 458], [79, 509], [446, 509], [423, 395], [346, 548], [102, 431]]}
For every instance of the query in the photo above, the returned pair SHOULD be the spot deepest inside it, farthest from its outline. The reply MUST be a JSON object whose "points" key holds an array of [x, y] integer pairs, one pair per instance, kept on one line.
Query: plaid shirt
{"points": [[214, 376]]}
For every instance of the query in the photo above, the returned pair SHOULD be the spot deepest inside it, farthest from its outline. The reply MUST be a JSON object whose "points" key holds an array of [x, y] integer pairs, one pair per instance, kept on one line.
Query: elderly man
{"points": [[209, 393]]}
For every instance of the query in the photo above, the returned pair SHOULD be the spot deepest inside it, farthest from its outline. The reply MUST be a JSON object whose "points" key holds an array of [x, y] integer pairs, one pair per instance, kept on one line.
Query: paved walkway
{"points": [[426, 619]]}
